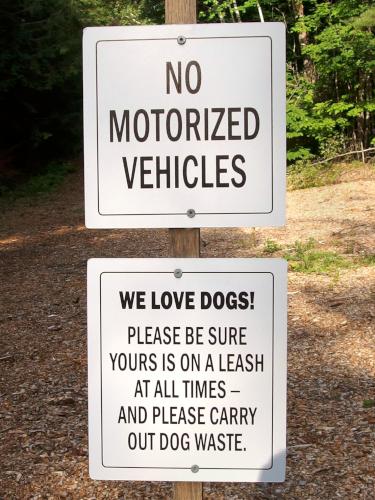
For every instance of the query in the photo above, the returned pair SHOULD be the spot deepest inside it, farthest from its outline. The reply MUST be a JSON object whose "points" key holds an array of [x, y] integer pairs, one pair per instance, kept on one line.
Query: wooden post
{"points": [[184, 242], [187, 491], [180, 11]]}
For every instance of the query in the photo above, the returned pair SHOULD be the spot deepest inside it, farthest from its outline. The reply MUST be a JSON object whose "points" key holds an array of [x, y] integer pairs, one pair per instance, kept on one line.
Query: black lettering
{"points": [[206, 124], [176, 171], [119, 130], [145, 171], [127, 299], [129, 178], [232, 123], [176, 112], [214, 136], [176, 81], [162, 171], [187, 77], [121, 415], [137, 135], [205, 184], [221, 170], [188, 159], [157, 113], [239, 171], [190, 124], [246, 118], [243, 300], [113, 359]]}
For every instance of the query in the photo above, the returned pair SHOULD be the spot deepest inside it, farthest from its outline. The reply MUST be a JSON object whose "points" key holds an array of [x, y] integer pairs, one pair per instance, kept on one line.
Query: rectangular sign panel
{"points": [[187, 369], [184, 125]]}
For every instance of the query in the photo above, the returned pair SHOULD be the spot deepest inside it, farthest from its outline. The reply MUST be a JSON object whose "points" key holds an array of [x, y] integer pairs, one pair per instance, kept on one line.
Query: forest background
{"points": [[328, 243], [330, 75]]}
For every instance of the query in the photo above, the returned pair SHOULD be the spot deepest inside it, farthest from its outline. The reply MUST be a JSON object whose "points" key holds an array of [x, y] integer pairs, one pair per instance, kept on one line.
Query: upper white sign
{"points": [[185, 125]]}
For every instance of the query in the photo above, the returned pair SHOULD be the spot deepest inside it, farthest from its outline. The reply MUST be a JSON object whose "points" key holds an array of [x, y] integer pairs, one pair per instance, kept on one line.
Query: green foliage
{"points": [[304, 257], [303, 175], [244, 10], [366, 19], [332, 101], [368, 403], [330, 76], [43, 183], [308, 128], [271, 246], [366, 260]]}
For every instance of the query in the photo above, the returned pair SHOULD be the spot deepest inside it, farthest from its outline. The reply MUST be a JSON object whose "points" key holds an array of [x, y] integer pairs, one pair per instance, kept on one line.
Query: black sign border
{"points": [[101, 365], [182, 213]]}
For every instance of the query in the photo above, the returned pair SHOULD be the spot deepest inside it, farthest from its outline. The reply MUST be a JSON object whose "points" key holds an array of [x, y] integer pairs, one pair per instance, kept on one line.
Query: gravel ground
{"points": [[331, 363]]}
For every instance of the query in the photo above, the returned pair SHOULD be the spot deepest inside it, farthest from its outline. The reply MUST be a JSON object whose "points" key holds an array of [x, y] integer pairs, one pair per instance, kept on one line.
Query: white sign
{"points": [[187, 369], [184, 125]]}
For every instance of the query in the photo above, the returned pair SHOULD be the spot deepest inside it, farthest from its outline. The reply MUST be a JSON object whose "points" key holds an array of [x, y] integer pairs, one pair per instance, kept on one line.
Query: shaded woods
{"points": [[330, 70]]}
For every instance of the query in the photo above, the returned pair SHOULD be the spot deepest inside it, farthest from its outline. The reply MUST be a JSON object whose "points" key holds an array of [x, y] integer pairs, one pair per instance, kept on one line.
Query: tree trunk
{"points": [[303, 38]]}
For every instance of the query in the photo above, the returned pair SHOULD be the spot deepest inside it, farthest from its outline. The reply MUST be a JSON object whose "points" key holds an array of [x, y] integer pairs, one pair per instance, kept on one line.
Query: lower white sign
{"points": [[187, 369]]}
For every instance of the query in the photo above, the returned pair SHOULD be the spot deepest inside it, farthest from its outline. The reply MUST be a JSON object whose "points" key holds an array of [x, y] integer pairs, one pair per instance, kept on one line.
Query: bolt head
{"points": [[181, 40], [194, 468], [177, 273], [190, 213]]}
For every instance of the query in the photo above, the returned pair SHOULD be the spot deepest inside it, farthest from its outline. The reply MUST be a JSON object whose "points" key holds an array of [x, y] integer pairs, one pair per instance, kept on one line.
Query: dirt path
{"points": [[43, 428]]}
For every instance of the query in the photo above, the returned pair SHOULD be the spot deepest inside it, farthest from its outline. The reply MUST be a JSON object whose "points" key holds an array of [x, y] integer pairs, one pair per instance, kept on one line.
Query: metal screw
{"points": [[177, 273], [190, 213], [194, 468], [181, 40]]}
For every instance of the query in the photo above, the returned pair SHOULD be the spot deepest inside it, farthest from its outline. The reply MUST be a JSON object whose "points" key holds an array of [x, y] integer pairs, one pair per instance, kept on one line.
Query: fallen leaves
{"points": [[331, 362]]}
